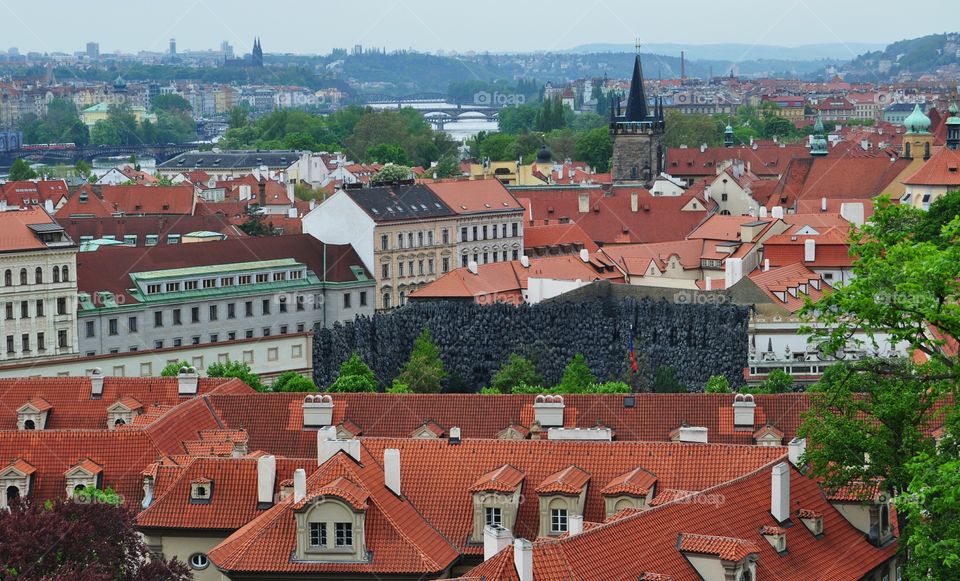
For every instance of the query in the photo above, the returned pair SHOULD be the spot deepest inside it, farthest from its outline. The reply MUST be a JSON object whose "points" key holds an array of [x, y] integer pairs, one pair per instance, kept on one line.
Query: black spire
{"points": [[637, 101]]}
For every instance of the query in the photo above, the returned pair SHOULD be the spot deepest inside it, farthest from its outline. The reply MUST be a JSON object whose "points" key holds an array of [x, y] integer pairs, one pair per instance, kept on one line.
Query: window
{"points": [[399, 240], [90, 329], [492, 516], [172, 287], [464, 260], [301, 327], [41, 342], [226, 281], [516, 255], [232, 336], [301, 300], [410, 264], [199, 561], [486, 258], [158, 318], [445, 236], [66, 274], [113, 326], [62, 339], [343, 534], [244, 279], [420, 267], [23, 276], [318, 534], [24, 309], [346, 300], [419, 238], [9, 311], [475, 233], [515, 228], [10, 348], [248, 334], [195, 340], [231, 311], [214, 337], [153, 289], [176, 317], [39, 308], [399, 268], [430, 238], [386, 300], [152, 239], [384, 271], [263, 277], [209, 283], [213, 312], [284, 329], [282, 303], [503, 230], [25, 341], [445, 264], [266, 306], [8, 278], [278, 276], [363, 299], [38, 276], [158, 344], [463, 234], [194, 314], [558, 520], [266, 332], [384, 242], [248, 308], [190, 285], [410, 239]]}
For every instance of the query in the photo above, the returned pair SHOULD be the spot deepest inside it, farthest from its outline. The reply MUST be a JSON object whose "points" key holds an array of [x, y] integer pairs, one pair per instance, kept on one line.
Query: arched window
{"points": [[66, 273], [56, 274], [907, 152], [884, 519], [199, 561], [23, 276], [38, 275], [8, 278], [79, 488], [119, 422], [13, 493], [29, 425], [926, 150], [386, 300]]}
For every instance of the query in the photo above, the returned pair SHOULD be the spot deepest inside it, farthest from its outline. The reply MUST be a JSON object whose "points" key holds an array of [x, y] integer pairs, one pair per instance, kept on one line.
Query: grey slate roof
{"points": [[399, 202], [231, 159]]}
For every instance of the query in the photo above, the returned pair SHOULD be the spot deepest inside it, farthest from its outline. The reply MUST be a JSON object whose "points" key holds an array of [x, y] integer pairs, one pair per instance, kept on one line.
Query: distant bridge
{"points": [[383, 99], [440, 117], [59, 155]]}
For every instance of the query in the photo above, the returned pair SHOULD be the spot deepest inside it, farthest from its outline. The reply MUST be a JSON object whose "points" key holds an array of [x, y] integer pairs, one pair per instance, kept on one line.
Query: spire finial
{"points": [[638, 45]]}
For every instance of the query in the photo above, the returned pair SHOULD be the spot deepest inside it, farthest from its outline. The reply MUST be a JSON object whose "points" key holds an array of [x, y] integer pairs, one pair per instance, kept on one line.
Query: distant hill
{"points": [[741, 52], [935, 53]]}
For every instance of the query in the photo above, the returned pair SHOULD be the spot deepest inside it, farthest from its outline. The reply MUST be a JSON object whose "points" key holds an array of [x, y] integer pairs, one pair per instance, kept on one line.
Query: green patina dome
{"points": [[729, 129], [953, 119], [917, 122]]}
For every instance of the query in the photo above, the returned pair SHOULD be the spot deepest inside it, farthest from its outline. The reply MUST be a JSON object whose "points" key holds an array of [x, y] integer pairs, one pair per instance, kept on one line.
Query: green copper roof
{"points": [[213, 270], [917, 122], [729, 129]]}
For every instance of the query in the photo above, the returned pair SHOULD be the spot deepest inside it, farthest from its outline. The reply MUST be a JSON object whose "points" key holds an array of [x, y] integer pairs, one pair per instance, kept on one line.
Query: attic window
{"points": [[201, 491], [781, 295]]}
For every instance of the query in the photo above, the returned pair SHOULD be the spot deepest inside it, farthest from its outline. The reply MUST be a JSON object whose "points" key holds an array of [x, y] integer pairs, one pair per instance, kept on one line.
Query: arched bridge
{"points": [[440, 117], [382, 99], [61, 155]]}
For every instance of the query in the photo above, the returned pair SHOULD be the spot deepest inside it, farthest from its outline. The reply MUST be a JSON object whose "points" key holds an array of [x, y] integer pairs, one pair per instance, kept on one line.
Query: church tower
{"points": [[637, 134], [256, 56], [918, 140]]}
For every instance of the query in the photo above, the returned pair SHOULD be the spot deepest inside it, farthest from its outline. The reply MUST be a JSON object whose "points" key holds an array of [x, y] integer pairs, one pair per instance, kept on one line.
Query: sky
{"points": [[316, 27]]}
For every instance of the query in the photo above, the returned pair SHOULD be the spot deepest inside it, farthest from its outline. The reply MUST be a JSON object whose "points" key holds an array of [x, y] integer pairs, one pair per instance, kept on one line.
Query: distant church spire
{"points": [[637, 100]]}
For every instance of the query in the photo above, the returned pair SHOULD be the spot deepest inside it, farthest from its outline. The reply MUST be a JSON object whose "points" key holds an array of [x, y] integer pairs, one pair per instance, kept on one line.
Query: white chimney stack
{"points": [[574, 524], [187, 381], [266, 476], [707, 283], [454, 435], [744, 409], [763, 211], [523, 559], [328, 444], [48, 206], [732, 272], [766, 264], [809, 250], [299, 484], [317, 411], [693, 434], [472, 267], [823, 204], [796, 448], [495, 539], [584, 255], [852, 212], [525, 261], [583, 202], [780, 492], [548, 410], [391, 469], [777, 212], [96, 383]]}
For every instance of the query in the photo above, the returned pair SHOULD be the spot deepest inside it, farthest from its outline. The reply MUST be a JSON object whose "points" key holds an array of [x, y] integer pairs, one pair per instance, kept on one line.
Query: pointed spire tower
{"points": [[637, 134]]}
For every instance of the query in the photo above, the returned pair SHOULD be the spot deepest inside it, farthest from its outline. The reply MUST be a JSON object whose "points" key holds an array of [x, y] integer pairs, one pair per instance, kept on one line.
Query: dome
{"points": [[917, 122], [729, 129], [544, 155], [953, 119]]}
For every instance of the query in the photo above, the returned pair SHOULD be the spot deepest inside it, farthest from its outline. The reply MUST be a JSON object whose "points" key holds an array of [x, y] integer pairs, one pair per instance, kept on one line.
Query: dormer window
{"points": [[15, 481], [496, 500], [201, 491], [33, 414], [562, 494], [813, 520], [331, 524], [84, 475]]}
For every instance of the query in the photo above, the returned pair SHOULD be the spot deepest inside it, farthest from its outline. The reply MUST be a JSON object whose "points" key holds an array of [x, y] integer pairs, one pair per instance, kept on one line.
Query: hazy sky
{"points": [[495, 25]]}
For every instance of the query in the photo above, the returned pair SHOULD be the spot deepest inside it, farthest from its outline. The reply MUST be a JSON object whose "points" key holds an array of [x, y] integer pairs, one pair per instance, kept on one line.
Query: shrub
{"points": [[718, 384], [515, 371], [576, 377], [354, 376], [666, 381], [291, 381], [423, 372], [237, 369]]}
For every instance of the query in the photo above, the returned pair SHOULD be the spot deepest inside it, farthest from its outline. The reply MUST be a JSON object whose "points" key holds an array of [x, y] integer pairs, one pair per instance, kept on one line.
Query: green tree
{"points": [[931, 223], [20, 170], [354, 376], [587, 121], [83, 168], [498, 147], [517, 370], [778, 381], [386, 153], [518, 119], [238, 116], [718, 384], [562, 143], [690, 129], [779, 127], [291, 381], [423, 372], [595, 148], [173, 369], [665, 381], [447, 167], [389, 174], [577, 376], [171, 103], [256, 223], [238, 369]]}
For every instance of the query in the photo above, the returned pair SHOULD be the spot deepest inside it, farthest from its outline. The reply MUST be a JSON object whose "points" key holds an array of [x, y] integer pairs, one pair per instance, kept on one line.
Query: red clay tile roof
{"points": [[504, 479], [765, 160], [807, 513], [107, 200], [836, 177], [24, 193], [782, 279], [570, 480], [772, 530], [728, 549], [15, 233], [143, 226], [638, 481], [344, 489], [88, 465], [555, 236], [475, 196], [942, 169]]}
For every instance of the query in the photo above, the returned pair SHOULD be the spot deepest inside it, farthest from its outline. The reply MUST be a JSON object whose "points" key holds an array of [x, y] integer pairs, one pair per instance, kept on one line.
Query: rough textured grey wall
{"points": [[695, 339]]}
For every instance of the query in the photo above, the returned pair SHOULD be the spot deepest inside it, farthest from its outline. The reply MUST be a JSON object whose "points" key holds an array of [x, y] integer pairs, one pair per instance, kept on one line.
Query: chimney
{"points": [[766, 264], [261, 193], [584, 255], [777, 212], [823, 204], [707, 284], [809, 250], [796, 448], [48, 206], [313, 204], [495, 539], [584, 202], [472, 267], [634, 201], [454, 438], [575, 524], [763, 211], [244, 192], [317, 411], [733, 271], [780, 492], [743, 410], [328, 444], [852, 212], [391, 469], [693, 434], [187, 381], [291, 213], [290, 195], [299, 484], [525, 261], [266, 476], [548, 410], [96, 383], [523, 559], [703, 147]]}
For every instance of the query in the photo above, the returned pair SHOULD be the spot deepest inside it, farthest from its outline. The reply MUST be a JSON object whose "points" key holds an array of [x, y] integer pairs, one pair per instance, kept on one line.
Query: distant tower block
{"points": [[173, 47], [637, 134]]}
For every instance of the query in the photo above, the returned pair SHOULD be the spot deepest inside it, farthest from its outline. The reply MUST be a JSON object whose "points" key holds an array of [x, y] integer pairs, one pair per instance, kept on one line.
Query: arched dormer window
{"points": [[29, 425], [38, 275], [333, 528]]}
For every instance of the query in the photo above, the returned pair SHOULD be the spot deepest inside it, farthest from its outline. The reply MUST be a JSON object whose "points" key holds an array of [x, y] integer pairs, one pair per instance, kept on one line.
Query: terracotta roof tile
{"points": [[638, 481], [504, 479], [728, 549]]}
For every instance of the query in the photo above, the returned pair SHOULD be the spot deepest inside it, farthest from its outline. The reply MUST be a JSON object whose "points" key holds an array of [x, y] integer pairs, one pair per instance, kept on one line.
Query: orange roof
{"points": [[637, 481], [727, 548], [475, 196], [718, 227], [570, 480], [782, 285], [942, 169], [504, 479], [15, 232], [554, 235], [344, 489]]}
